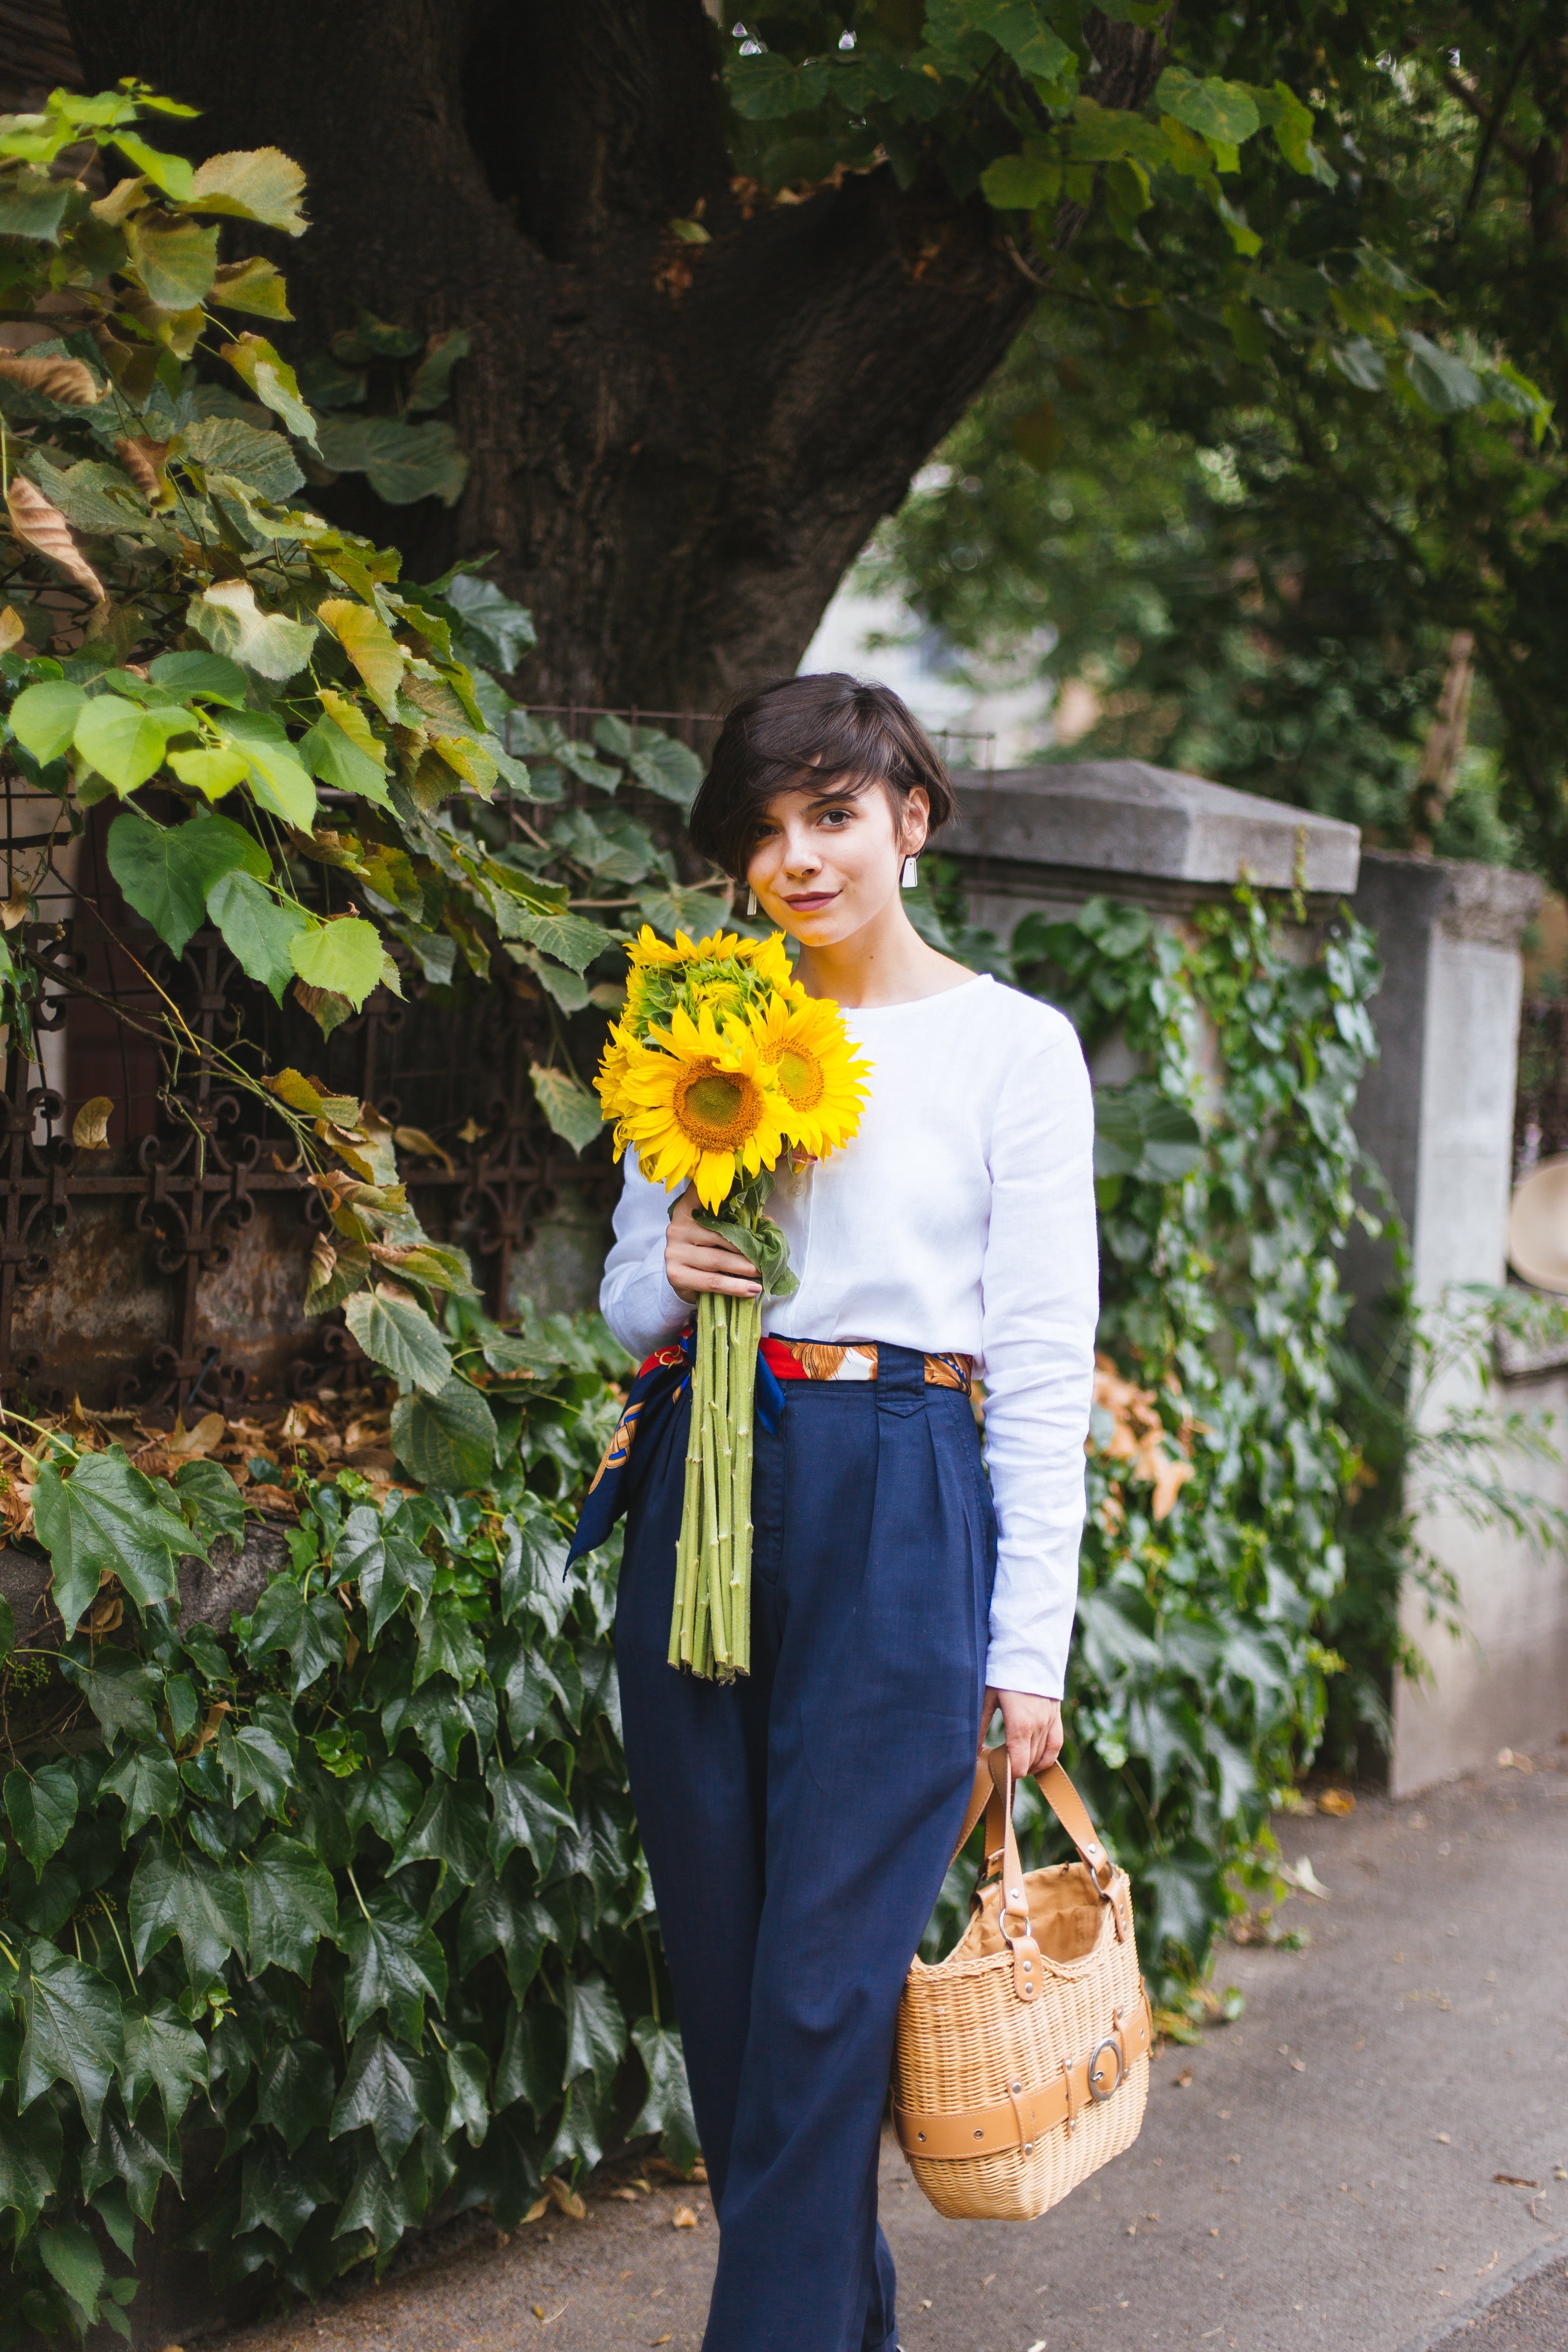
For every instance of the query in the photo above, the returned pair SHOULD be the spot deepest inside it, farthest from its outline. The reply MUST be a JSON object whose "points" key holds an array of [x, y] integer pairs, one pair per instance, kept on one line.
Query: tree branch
{"points": [[1468, 94]]}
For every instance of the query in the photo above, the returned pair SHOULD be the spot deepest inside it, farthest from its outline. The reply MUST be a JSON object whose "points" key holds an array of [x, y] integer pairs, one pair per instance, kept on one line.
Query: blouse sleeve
{"points": [[1040, 1297], [635, 1300]]}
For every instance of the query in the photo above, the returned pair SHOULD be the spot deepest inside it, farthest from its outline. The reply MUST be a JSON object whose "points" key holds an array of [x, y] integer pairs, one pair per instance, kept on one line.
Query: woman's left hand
{"points": [[1032, 1727]]}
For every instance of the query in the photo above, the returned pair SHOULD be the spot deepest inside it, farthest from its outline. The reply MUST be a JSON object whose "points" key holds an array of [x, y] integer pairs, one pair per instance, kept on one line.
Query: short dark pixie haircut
{"points": [[830, 732]]}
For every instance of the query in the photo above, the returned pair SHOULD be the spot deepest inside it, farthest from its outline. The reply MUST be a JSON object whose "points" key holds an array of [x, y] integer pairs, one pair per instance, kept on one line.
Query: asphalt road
{"points": [[1362, 2162]]}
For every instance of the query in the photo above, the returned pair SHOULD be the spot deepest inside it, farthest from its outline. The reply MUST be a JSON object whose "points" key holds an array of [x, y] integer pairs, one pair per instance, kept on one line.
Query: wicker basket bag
{"points": [[1021, 2063]]}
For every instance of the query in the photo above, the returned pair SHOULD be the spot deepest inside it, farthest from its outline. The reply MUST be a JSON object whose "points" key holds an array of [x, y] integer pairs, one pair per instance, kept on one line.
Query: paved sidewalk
{"points": [[1377, 2146]]}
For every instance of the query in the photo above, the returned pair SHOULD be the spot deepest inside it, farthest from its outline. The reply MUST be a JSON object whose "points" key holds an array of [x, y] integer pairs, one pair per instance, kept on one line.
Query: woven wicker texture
{"points": [[964, 2038]]}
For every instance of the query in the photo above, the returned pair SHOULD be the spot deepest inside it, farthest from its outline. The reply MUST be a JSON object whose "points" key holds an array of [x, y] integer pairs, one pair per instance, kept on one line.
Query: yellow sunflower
{"points": [[702, 1105], [609, 1079], [769, 961], [802, 1039]]}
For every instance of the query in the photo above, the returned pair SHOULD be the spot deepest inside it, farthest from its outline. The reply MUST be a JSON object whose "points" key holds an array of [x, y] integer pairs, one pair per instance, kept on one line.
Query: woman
{"points": [[799, 1822]]}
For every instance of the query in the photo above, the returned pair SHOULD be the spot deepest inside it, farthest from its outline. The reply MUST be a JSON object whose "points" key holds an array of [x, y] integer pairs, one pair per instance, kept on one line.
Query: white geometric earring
{"points": [[751, 902], [911, 878]]}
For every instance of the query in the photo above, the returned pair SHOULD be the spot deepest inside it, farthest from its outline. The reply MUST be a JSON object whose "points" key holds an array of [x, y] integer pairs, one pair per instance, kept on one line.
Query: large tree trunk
{"points": [[676, 448]]}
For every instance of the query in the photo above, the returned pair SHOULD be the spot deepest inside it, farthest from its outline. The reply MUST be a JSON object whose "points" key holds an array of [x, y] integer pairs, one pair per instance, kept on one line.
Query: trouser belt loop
{"points": [[900, 1378]]}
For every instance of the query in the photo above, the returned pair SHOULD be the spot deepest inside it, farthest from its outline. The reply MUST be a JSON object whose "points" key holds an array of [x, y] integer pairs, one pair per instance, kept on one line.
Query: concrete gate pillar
{"points": [[1436, 1113]]}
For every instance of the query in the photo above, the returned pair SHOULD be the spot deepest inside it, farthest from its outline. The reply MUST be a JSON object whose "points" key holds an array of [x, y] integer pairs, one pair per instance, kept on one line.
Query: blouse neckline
{"points": [[914, 1003]]}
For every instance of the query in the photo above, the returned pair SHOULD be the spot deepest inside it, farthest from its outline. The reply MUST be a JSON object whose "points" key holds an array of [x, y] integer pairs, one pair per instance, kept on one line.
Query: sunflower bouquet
{"points": [[719, 1066]]}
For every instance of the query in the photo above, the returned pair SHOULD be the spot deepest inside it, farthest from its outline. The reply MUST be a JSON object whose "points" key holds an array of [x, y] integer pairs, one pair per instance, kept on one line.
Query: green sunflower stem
{"points": [[748, 1317], [710, 1622], [683, 1616], [709, 1328]]}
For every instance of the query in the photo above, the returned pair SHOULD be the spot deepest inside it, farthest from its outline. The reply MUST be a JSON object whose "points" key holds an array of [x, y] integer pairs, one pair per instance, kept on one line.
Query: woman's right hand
{"points": [[697, 1259]]}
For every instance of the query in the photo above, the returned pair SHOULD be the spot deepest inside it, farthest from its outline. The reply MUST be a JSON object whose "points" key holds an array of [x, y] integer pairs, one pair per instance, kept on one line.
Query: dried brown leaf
{"points": [[425, 1147], [567, 2199], [89, 1128], [1336, 1800], [683, 2218], [203, 1438], [273, 1501], [67, 381], [39, 524], [144, 461]]}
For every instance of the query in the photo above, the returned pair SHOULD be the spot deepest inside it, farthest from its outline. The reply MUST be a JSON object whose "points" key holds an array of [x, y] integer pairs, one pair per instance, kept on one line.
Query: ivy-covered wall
{"points": [[1219, 1461]]}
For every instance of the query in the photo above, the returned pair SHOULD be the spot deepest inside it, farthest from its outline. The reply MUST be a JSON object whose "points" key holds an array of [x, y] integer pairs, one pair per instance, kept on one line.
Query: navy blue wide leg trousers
{"points": [[798, 1823]]}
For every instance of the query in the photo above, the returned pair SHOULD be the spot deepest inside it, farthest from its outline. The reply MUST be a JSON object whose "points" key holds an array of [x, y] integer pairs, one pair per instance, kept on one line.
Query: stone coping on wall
{"points": [[1072, 830], [1491, 906]]}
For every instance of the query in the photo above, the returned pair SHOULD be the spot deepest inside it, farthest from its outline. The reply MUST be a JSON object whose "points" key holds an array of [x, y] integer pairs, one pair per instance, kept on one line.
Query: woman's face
{"points": [[824, 865]]}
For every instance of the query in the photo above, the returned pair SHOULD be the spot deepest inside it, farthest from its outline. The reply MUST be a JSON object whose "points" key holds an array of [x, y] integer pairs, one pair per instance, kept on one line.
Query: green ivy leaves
{"points": [[106, 1519]]}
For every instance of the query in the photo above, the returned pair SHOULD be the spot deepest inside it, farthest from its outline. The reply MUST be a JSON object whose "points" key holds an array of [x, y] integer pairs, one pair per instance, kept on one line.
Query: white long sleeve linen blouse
{"points": [[961, 1217]]}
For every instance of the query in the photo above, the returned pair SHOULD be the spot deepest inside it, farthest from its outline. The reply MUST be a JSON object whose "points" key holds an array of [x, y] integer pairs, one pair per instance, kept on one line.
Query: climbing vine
{"points": [[352, 1881], [1219, 1461]]}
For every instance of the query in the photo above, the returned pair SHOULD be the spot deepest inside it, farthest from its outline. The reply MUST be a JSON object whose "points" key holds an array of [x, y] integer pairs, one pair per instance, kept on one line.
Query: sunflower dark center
{"points": [[800, 1075], [718, 1108]]}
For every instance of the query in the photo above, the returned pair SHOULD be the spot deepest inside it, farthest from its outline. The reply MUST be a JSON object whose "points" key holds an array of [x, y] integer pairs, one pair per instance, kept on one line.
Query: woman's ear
{"points": [[914, 821]]}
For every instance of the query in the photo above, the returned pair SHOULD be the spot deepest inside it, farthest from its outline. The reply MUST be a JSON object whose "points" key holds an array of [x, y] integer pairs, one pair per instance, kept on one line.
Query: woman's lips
{"points": [[810, 899]]}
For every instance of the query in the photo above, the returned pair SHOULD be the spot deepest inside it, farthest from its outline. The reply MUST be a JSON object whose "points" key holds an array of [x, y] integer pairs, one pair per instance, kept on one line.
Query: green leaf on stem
{"points": [[393, 2092], [178, 1892], [574, 1114], [167, 871], [106, 1519], [41, 1806], [394, 1963], [344, 956], [73, 2031], [448, 1439], [147, 1780], [295, 2085], [667, 2109], [397, 1333], [162, 2053]]}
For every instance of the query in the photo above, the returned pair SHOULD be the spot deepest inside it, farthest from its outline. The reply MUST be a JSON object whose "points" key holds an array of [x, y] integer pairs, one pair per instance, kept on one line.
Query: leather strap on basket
{"points": [[1025, 2116], [992, 1795]]}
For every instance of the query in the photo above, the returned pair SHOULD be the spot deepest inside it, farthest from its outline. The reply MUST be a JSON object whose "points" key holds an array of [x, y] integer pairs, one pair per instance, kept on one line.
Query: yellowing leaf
{"points": [[425, 1147], [211, 773], [67, 381], [12, 628], [370, 645], [175, 260], [273, 382], [298, 1092], [344, 957], [172, 173], [89, 1128], [40, 525], [258, 184], [271, 643], [254, 285], [468, 760], [347, 714]]}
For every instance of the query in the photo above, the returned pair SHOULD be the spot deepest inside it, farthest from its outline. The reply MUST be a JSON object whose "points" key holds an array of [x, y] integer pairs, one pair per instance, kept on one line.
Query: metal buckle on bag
{"points": [[1095, 2093]]}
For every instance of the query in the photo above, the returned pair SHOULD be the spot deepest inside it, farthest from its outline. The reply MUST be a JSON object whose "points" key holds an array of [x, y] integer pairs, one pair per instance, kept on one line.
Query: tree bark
{"points": [[676, 448]]}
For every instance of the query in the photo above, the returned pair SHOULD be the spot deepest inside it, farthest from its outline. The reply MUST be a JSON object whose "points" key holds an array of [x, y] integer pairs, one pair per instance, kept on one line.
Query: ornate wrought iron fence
{"points": [[164, 1266]]}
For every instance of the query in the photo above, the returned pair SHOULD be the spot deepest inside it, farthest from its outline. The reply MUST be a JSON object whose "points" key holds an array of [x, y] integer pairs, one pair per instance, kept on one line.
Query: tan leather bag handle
{"points": [[992, 1795]]}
